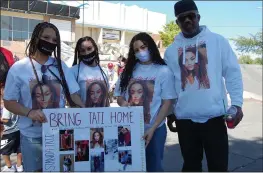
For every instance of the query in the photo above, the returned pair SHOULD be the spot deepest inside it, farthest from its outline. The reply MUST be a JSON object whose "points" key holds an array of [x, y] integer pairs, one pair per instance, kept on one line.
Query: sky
{"points": [[228, 18]]}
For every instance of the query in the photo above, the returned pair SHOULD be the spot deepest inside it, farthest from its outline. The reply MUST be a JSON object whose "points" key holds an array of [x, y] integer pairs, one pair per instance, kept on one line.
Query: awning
{"points": [[41, 7]]}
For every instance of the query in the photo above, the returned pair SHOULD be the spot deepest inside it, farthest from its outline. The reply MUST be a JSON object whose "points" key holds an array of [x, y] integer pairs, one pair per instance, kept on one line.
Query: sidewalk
{"points": [[245, 143]]}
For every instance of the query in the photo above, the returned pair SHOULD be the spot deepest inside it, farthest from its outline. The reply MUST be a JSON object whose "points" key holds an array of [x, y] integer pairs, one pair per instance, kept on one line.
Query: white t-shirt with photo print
{"points": [[22, 86], [92, 85], [150, 84]]}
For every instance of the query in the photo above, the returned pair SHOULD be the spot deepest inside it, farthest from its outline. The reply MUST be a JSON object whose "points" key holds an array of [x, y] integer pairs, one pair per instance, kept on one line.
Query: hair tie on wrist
{"points": [[28, 112]]}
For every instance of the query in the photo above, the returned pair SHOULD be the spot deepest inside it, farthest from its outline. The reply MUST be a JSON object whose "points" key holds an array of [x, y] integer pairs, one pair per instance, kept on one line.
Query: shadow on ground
{"points": [[244, 156]]}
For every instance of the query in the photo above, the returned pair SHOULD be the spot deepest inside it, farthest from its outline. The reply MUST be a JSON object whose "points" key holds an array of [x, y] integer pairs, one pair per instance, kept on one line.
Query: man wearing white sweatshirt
{"points": [[204, 66]]}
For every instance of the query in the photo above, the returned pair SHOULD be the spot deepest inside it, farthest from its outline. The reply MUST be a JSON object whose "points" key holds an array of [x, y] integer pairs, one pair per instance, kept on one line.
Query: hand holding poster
{"points": [[94, 139]]}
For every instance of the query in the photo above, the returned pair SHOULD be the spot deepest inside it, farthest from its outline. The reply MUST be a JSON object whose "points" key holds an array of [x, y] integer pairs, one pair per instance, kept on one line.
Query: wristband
{"points": [[28, 112]]}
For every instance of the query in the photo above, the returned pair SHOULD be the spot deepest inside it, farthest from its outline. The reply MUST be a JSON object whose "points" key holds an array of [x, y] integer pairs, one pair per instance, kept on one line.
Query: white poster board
{"points": [[94, 139]]}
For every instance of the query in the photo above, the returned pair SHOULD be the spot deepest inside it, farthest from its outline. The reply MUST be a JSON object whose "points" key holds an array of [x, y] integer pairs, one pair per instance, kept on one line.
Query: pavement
{"points": [[245, 143], [252, 78]]}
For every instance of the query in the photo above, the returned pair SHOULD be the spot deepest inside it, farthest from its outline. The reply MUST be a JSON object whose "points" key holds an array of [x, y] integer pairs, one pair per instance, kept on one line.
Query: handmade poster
{"points": [[94, 139]]}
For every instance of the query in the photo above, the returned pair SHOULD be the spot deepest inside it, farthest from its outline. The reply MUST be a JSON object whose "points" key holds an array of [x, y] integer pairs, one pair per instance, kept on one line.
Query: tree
{"points": [[245, 59], [170, 30], [258, 61], [252, 44]]}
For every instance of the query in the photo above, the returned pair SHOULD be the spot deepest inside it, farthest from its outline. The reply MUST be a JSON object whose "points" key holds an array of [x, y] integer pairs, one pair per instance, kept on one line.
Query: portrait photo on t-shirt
{"points": [[193, 65], [51, 94], [96, 93], [140, 93]]}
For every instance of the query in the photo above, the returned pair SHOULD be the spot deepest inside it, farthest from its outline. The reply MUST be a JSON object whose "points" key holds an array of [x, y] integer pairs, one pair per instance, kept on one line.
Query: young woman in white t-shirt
{"points": [[147, 81], [37, 82], [93, 81]]}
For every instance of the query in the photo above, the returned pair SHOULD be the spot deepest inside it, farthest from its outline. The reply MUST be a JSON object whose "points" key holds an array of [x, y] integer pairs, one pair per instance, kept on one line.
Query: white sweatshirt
{"points": [[202, 75]]}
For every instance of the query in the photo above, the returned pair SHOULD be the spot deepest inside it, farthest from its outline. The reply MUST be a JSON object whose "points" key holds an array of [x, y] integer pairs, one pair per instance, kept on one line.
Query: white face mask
{"points": [[143, 56]]}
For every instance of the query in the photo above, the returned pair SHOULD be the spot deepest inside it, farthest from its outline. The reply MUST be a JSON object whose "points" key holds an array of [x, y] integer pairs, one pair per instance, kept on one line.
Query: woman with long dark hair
{"points": [[138, 96], [96, 95], [97, 140], [51, 100], [38, 67], [145, 64], [193, 74], [93, 81]]}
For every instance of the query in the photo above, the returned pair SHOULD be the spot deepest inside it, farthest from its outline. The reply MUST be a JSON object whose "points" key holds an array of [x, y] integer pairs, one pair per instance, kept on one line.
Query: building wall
{"points": [[18, 47], [95, 34], [109, 13], [156, 21], [118, 16], [78, 30], [23, 15], [128, 37], [88, 31]]}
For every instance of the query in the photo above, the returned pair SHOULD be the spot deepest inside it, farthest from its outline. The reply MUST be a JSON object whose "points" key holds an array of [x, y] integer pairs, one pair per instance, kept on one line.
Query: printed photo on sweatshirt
{"points": [[96, 93], [140, 93], [193, 65]]}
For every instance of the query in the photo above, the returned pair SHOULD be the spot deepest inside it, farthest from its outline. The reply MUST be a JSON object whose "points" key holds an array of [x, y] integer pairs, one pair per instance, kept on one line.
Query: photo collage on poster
{"points": [[98, 150]]}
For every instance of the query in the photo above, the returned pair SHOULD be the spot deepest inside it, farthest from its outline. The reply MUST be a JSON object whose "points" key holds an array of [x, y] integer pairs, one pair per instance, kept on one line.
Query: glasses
{"points": [[191, 16]]}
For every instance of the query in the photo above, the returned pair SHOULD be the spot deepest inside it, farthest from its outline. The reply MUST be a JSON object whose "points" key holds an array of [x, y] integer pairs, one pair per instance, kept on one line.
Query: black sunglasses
{"points": [[191, 16]]}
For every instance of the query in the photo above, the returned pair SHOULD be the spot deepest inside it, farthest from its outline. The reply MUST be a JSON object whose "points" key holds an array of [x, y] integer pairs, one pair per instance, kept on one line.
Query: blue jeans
{"points": [[155, 149], [31, 149]]}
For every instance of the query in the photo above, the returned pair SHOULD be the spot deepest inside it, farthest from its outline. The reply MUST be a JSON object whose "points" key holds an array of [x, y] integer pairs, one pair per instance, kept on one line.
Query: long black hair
{"points": [[54, 98], [89, 102], [131, 61], [144, 100], [97, 58], [32, 48]]}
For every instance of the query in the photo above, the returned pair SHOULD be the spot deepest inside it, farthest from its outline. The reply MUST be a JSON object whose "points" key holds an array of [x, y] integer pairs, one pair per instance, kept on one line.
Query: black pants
{"points": [[211, 137]]}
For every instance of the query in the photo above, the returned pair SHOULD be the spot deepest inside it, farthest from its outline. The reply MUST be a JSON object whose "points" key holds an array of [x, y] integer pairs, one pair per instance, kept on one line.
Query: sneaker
{"points": [[19, 168], [6, 169]]}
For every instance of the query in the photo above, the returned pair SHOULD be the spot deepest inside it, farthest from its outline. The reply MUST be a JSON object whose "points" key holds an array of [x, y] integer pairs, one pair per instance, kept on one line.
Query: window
{"points": [[6, 22], [20, 24], [32, 24], [6, 34], [20, 29], [16, 28]]}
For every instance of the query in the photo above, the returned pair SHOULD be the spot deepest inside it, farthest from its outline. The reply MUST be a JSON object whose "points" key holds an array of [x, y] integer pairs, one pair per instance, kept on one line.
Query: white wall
{"points": [[109, 13], [156, 21], [128, 37], [64, 28], [118, 16], [78, 30], [134, 18]]}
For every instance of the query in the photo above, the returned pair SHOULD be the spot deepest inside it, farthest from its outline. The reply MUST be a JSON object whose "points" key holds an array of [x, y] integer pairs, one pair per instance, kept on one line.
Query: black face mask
{"points": [[88, 59], [46, 47]]}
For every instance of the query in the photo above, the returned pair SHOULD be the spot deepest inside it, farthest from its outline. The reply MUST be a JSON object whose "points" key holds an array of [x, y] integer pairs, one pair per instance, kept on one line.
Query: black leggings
{"points": [[211, 137]]}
